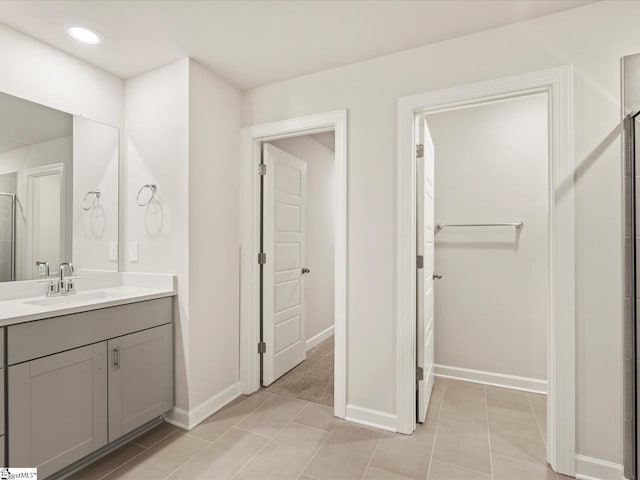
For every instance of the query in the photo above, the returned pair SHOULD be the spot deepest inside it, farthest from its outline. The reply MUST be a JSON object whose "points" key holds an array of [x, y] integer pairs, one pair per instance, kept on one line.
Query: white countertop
{"points": [[93, 293]]}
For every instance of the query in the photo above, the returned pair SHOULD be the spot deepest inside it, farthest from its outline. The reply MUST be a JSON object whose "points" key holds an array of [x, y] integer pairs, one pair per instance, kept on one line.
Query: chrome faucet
{"points": [[69, 265], [64, 286], [45, 266]]}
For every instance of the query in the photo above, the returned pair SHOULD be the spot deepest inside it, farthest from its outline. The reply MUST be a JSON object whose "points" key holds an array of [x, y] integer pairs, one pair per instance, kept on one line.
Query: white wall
{"points": [[321, 202], [183, 134], [157, 151], [592, 39], [491, 306], [95, 167], [214, 234], [8, 182], [37, 155], [40, 73], [37, 72]]}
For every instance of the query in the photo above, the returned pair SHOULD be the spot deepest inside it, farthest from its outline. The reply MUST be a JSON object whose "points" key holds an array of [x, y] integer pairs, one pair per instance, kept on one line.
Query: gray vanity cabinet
{"points": [[78, 382], [140, 379], [58, 408]]}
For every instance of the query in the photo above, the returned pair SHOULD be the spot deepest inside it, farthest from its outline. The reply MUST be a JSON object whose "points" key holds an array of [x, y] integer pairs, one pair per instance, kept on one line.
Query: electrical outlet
{"points": [[133, 251], [113, 251]]}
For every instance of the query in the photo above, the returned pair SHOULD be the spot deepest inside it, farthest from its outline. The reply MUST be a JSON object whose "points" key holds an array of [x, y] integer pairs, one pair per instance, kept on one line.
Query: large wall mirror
{"points": [[58, 192]]}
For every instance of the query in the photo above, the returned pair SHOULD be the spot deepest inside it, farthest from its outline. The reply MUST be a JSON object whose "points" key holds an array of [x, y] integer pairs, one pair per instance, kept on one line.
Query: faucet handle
{"points": [[69, 287], [52, 289]]}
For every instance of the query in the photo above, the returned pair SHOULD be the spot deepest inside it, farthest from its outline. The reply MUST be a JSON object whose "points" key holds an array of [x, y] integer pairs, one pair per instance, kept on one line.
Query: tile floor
{"points": [[472, 433]]}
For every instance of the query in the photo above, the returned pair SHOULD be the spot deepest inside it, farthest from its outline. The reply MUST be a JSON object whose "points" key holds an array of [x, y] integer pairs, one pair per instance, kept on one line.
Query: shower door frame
{"points": [[557, 83], [13, 233]]}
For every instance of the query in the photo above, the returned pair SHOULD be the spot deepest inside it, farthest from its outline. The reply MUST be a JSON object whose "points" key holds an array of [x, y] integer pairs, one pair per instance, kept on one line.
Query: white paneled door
{"points": [[284, 210], [425, 273]]}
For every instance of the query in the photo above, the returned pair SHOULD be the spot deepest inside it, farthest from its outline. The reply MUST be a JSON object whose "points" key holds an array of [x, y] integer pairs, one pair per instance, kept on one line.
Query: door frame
{"points": [[557, 83], [27, 177], [252, 139]]}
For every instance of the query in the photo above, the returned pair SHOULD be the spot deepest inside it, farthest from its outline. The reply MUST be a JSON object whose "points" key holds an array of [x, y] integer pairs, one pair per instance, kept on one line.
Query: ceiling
{"points": [[252, 43], [25, 123]]}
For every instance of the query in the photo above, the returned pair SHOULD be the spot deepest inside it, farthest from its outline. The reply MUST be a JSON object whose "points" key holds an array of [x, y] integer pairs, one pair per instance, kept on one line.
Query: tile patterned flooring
{"points": [[472, 432]]}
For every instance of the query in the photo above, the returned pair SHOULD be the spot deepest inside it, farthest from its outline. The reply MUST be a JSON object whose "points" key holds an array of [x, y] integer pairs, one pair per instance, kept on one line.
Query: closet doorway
{"points": [[485, 231]]}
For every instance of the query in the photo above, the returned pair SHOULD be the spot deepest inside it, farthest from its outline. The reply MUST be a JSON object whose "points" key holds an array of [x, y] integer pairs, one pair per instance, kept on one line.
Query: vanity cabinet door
{"points": [[58, 408], [140, 378]]}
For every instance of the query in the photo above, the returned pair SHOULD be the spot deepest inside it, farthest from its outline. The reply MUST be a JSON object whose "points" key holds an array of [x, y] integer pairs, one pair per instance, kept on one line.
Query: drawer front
{"points": [[27, 341]]}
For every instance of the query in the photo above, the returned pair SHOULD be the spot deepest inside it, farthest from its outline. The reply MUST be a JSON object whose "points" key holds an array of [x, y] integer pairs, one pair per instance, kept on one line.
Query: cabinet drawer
{"points": [[27, 341]]}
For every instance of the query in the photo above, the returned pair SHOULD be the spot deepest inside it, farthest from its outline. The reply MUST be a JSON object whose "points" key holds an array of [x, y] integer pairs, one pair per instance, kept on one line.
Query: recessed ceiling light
{"points": [[84, 35]]}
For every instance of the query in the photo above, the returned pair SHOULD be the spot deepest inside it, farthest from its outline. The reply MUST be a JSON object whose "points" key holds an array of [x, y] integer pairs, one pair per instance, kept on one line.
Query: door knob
{"points": [[305, 270], [437, 276]]}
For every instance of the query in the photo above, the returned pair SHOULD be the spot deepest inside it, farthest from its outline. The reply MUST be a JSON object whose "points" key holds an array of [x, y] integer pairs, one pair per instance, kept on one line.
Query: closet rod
{"points": [[520, 225]]}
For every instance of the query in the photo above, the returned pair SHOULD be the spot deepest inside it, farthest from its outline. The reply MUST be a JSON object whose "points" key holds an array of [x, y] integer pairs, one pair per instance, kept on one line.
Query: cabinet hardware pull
{"points": [[116, 358]]}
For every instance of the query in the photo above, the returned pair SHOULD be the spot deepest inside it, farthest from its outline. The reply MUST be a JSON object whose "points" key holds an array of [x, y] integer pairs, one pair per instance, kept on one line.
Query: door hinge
{"points": [[419, 150], [262, 169], [262, 348], [419, 373], [420, 261], [262, 258]]}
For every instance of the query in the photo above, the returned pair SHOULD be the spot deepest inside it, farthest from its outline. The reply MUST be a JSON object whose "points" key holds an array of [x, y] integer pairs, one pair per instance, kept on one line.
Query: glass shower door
{"points": [[7, 237]]}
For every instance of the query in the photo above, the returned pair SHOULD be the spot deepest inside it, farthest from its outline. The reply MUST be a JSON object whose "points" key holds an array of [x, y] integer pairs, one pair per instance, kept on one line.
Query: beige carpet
{"points": [[312, 380]]}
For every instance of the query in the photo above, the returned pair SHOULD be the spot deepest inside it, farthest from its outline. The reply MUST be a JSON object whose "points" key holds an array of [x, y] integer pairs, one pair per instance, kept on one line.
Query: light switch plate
{"points": [[113, 251], [133, 251]]}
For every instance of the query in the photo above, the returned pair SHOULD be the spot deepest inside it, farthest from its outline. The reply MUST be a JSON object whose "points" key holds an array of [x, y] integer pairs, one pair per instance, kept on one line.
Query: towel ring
{"points": [[91, 193], [152, 187]]}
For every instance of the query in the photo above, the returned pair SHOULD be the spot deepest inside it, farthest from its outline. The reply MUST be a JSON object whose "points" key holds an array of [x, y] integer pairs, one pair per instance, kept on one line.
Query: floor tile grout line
{"points": [[301, 399], [118, 466], [486, 406], [190, 460], [155, 443], [520, 460], [228, 429], [316, 452], [513, 459], [435, 433], [132, 458], [461, 467], [537, 422], [261, 435], [372, 455], [211, 443], [263, 447], [310, 426], [178, 430], [191, 435]]}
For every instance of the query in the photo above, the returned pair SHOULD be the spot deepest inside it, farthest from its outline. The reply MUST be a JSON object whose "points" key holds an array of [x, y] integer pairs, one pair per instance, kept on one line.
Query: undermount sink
{"points": [[70, 299]]}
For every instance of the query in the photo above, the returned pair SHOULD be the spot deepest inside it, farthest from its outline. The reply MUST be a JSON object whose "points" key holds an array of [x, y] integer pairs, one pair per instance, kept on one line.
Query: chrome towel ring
{"points": [[91, 196], [152, 187]]}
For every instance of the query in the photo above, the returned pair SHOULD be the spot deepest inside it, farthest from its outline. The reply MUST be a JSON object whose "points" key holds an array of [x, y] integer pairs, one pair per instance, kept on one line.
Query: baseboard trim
{"points": [[514, 382], [372, 418], [187, 419], [316, 339], [589, 468]]}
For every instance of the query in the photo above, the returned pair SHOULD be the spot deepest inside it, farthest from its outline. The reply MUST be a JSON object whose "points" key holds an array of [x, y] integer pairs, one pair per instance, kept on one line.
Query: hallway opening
{"points": [[298, 233]]}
